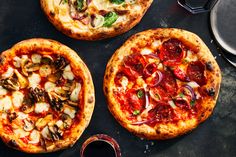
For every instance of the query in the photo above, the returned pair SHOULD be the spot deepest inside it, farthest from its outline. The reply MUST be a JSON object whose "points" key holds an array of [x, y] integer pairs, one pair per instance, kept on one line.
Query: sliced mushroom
{"points": [[39, 95], [55, 77], [10, 83], [73, 104], [46, 133], [28, 102], [42, 122], [28, 125], [67, 121], [54, 132], [46, 59], [31, 67], [21, 79], [75, 93], [11, 116], [36, 58], [24, 61], [97, 21], [45, 70], [55, 102], [61, 92], [59, 64]]}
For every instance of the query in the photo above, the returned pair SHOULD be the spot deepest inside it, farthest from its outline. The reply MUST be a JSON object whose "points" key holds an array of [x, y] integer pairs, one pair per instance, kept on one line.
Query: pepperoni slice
{"points": [[195, 72], [136, 62], [162, 111], [158, 93], [182, 103], [169, 83], [181, 75], [135, 100], [171, 52]]}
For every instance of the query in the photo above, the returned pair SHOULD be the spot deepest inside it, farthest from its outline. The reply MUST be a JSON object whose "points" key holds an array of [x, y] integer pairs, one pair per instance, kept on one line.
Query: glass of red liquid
{"points": [[197, 6], [100, 146]]}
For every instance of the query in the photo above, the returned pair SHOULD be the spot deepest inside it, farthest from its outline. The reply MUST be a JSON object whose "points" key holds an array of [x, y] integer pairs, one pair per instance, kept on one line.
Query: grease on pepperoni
{"points": [[169, 83], [195, 72], [171, 52]]}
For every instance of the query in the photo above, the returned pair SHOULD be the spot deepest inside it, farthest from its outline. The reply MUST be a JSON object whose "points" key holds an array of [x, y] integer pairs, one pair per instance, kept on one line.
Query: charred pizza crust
{"points": [[50, 47], [129, 14], [165, 130]]}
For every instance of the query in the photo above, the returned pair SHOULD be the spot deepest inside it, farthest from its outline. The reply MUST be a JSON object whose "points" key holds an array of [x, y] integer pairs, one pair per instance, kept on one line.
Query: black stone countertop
{"points": [[23, 19]]}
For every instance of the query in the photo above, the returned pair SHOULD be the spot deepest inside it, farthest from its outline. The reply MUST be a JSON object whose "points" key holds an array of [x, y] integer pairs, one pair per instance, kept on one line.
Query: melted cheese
{"points": [[8, 73], [34, 80], [5, 103], [16, 62], [75, 93], [3, 91], [41, 107], [17, 99], [22, 115], [69, 111], [34, 137], [146, 51], [36, 58], [67, 73], [191, 57], [49, 86], [156, 44], [20, 133]]}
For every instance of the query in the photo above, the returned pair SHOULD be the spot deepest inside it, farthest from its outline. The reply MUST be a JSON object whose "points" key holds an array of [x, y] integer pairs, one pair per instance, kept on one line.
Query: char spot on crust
{"points": [[106, 90], [12, 143], [52, 13], [112, 70], [90, 100]]}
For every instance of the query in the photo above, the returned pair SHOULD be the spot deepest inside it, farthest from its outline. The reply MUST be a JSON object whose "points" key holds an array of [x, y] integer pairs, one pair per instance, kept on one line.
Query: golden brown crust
{"points": [[46, 46], [133, 18], [165, 130]]}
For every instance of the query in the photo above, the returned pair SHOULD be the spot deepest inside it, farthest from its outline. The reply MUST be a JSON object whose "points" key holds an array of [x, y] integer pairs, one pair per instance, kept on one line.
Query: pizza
{"points": [[94, 19], [162, 83], [46, 96]]}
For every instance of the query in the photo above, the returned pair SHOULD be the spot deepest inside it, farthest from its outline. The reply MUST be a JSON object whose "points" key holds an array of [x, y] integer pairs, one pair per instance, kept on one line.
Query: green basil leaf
{"points": [[80, 4], [109, 19], [136, 112], [117, 1], [192, 103], [140, 94]]}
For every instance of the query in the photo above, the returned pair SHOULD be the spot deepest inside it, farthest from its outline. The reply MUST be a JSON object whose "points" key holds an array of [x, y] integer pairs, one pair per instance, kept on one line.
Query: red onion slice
{"points": [[146, 99], [160, 77], [190, 89]]}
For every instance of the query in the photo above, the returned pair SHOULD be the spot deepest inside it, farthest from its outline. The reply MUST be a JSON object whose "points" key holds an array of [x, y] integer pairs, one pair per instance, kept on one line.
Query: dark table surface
{"points": [[23, 19]]}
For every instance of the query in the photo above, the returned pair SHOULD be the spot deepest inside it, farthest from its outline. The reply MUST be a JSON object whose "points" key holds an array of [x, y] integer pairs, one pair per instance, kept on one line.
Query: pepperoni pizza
{"points": [[162, 83]]}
